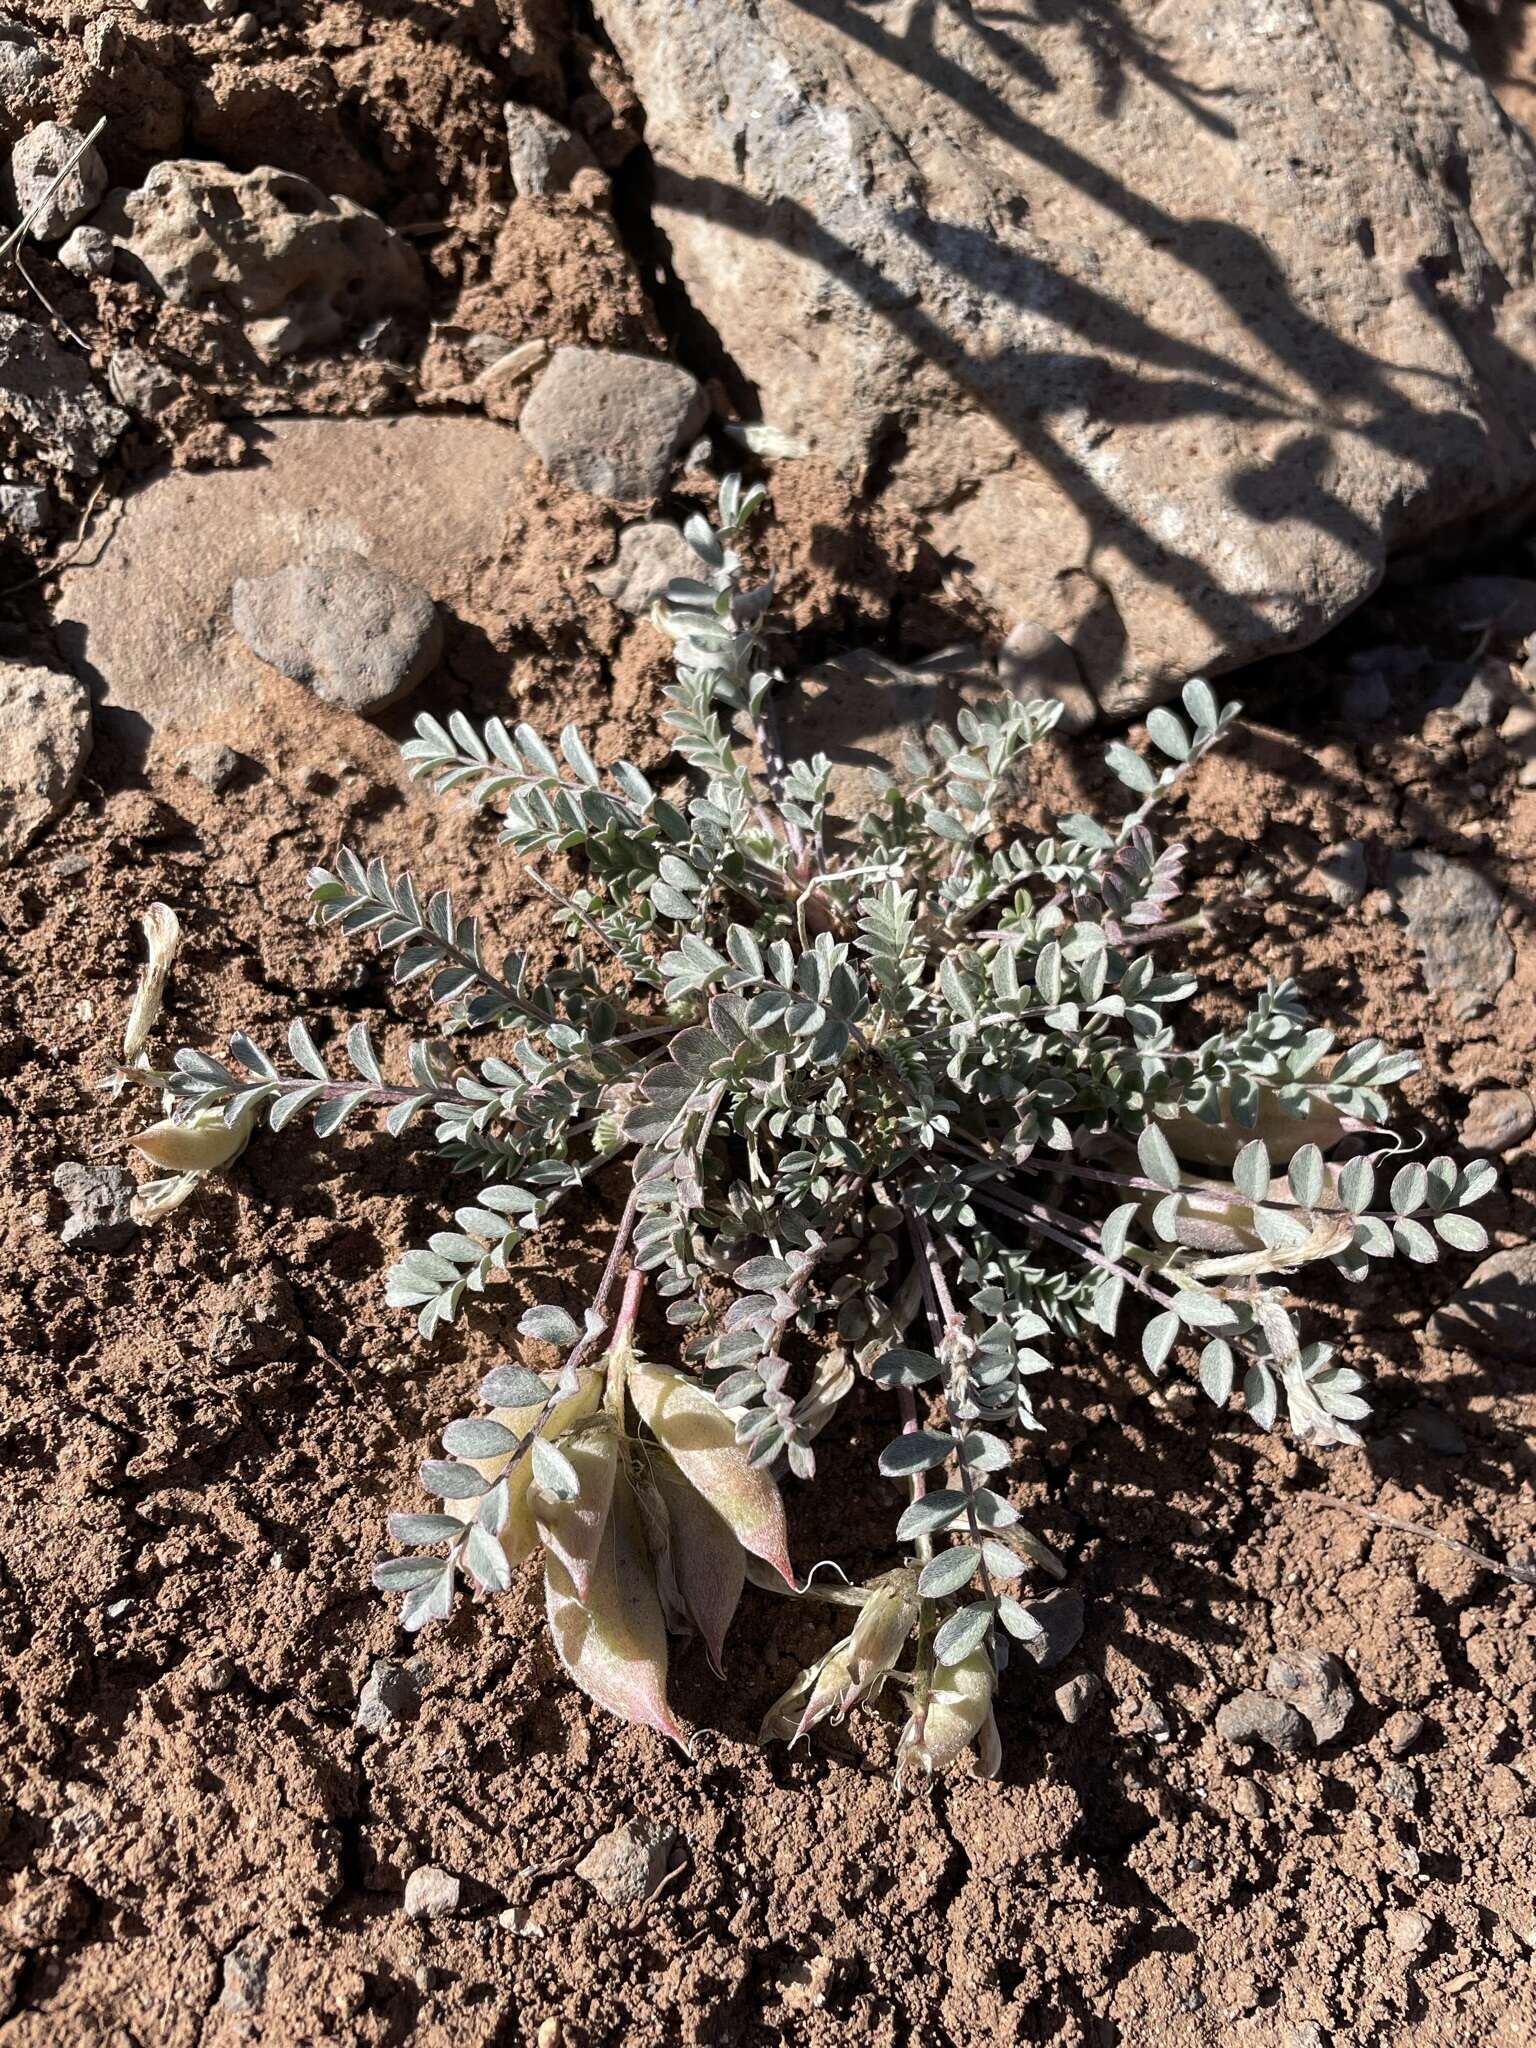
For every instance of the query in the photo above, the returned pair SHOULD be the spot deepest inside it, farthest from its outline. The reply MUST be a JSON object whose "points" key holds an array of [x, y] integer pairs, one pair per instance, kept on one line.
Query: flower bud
{"points": [[854, 1668], [202, 1144], [614, 1643], [950, 1710], [701, 1440]]}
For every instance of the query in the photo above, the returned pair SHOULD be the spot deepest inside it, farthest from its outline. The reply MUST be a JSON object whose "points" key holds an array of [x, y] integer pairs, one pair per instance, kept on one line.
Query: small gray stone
{"points": [[1253, 1717], [245, 1975], [1074, 1696], [1402, 1731], [1452, 913], [612, 424], [1316, 1683], [37, 160], [1484, 700], [432, 1893], [215, 767], [26, 508], [23, 66], [1497, 1119], [1061, 1616], [650, 554], [1148, 1717], [1431, 1429], [544, 157], [626, 1866], [389, 1695], [1341, 872], [1399, 1785], [1496, 1310], [137, 381], [88, 252], [356, 633], [99, 1200], [45, 738], [1034, 662]]}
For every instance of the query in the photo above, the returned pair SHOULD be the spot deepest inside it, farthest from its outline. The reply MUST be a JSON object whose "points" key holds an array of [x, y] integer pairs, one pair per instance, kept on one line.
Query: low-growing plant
{"points": [[893, 1100]]}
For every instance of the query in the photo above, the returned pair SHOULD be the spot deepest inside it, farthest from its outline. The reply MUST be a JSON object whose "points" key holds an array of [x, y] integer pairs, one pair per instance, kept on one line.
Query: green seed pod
{"points": [[950, 1710], [202, 1144]]}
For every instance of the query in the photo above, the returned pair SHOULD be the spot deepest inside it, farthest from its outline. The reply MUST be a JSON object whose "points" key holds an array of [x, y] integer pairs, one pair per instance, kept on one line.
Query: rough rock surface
{"points": [[52, 401], [297, 266], [358, 634], [1452, 914], [36, 162], [1253, 1717], [23, 66], [650, 555], [1316, 1684], [45, 736], [612, 424], [432, 1893], [100, 1204], [1166, 366], [1497, 1119], [1496, 1310], [543, 156], [88, 252], [426, 497]]}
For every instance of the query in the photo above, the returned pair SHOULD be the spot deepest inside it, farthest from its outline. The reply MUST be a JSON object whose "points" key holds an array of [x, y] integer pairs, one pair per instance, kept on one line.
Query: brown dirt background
{"points": [[187, 1529]]}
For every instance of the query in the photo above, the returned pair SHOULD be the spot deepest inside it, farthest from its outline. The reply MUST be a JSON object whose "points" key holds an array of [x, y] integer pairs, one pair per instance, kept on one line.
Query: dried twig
{"points": [[1524, 1574]]}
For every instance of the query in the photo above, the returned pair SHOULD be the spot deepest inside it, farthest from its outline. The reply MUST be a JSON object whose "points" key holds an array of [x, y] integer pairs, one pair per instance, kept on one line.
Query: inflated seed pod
{"points": [[700, 1439], [818, 1691], [614, 1642], [949, 1712], [708, 1565], [1201, 1144], [520, 1537], [202, 1144], [572, 1530]]}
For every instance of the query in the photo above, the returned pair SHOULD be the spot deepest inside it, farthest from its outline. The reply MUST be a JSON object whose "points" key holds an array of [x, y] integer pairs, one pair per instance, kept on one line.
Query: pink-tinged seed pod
{"points": [[614, 1643], [699, 1437], [815, 1694], [201, 1145], [520, 1538], [709, 1567], [573, 1529], [947, 1716]]}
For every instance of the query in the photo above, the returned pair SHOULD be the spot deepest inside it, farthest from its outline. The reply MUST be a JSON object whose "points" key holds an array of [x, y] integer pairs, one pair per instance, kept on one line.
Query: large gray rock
{"points": [[38, 160], [358, 634], [149, 626], [45, 736], [52, 401], [612, 424], [1169, 321], [296, 265]]}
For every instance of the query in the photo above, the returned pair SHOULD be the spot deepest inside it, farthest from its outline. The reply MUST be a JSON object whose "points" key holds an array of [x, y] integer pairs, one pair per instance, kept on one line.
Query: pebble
{"points": [[389, 1695], [27, 508], [1341, 872], [215, 767], [88, 252], [1255, 1717], [37, 160], [432, 1893], [650, 554], [543, 156], [1498, 1118], [216, 1676], [1495, 1311], [99, 1200], [612, 424], [1147, 1717], [626, 1866], [1248, 1799], [1061, 1616], [1035, 662], [1408, 1931], [1399, 1785], [1403, 1731], [23, 66], [45, 738], [1075, 1696], [1317, 1685], [550, 2034], [353, 631], [1452, 913], [245, 1976]]}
